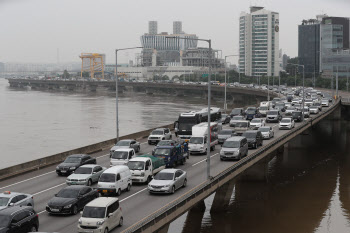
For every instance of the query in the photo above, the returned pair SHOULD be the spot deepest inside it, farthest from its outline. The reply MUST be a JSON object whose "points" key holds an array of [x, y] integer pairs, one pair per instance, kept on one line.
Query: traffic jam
{"points": [[93, 189]]}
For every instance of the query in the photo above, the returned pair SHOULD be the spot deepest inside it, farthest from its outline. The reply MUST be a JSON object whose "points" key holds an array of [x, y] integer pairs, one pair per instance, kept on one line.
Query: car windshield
{"points": [[264, 129], [291, 109], [296, 113], [237, 118], [83, 170], [4, 220], [256, 121], [272, 113], [196, 140], [236, 111], [157, 132], [164, 176], [107, 177], [123, 143], [136, 165], [68, 193], [94, 212], [72, 160], [241, 124], [285, 121], [223, 116], [4, 201], [161, 151], [225, 132], [165, 143], [249, 134], [264, 108], [250, 111], [231, 144], [120, 155]]}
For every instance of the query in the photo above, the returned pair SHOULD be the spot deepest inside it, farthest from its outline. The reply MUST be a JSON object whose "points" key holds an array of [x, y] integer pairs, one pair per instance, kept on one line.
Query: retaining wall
{"points": [[58, 158]]}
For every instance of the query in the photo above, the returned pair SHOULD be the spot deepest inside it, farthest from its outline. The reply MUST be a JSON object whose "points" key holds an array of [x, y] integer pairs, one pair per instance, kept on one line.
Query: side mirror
{"points": [[11, 204], [176, 178], [81, 212], [110, 214], [94, 173]]}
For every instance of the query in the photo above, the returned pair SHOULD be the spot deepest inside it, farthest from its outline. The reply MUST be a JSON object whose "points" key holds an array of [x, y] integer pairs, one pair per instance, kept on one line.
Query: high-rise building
{"points": [[152, 27], [2, 67], [177, 27], [259, 42]]}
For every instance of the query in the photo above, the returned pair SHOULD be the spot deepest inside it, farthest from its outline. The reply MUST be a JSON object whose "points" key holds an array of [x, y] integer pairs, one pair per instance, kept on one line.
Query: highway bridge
{"points": [[153, 213]]}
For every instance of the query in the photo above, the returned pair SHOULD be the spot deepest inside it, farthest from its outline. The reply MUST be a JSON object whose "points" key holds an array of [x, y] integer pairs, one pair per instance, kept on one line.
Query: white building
{"points": [[259, 42]]}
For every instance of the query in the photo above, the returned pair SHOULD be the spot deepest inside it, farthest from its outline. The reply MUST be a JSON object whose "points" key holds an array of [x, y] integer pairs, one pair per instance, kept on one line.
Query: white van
{"points": [[198, 142], [114, 180], [264, 107], [101, 215]]}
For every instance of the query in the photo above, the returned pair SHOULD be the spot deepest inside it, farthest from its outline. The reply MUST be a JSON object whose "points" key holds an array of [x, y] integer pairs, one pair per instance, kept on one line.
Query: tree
{"points": [[66, 75]]}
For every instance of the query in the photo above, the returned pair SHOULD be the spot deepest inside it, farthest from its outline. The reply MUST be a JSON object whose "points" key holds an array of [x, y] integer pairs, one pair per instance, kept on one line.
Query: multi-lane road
{"points": [[136, 204]]}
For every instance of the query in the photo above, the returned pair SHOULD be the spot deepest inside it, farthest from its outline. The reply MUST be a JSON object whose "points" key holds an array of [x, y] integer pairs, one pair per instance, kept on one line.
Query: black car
{"points": [[251, 113], [165, 143], [254, 138], [18, 220], [71, 199], [297, 116], [72, 162], [237, 112]]}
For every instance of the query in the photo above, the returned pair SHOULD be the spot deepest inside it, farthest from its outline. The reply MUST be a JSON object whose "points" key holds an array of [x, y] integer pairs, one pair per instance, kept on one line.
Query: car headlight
{"points": [[167, 186], [142, 174], [112, 186], [222, 152], [72, 168], [99, 223], [68, 206], [82, 180], [57, 168], [80, 221], [236, 152]]}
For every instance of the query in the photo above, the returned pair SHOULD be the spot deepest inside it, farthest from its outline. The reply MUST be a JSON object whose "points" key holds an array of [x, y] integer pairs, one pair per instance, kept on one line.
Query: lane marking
{"points": [[204, 160], [41, 212], [48, 189], [133, 195], [101, 156], [27, 179]]}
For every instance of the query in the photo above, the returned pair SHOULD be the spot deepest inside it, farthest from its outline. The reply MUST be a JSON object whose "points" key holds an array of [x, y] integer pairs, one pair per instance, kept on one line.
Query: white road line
{"points": [[204, 160], [41, 212], [133, 195], [101, 156], [48, 189], [143, 143], [274, 125], [27, 180]]}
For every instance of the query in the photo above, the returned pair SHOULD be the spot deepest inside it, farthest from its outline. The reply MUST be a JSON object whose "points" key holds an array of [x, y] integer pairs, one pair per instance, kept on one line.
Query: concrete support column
{"points": [[194, 218], [222, 197], [258, 172], [337, 114], [164, 229]]}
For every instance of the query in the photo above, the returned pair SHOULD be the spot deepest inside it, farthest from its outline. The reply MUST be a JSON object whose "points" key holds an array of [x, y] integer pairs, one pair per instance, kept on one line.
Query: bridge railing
{"points": [[182, 200]]}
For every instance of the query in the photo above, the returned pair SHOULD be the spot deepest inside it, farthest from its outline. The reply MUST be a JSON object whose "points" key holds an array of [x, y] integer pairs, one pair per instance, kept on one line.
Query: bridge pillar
{"points": [[222, 197], [164, 229], [194, 218], [258, 172], [337, 114]]}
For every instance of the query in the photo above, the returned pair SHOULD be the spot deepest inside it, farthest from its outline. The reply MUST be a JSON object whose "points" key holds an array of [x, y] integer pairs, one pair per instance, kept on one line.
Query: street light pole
{"points": [[297, 65], [209, 97], [116, 88]]}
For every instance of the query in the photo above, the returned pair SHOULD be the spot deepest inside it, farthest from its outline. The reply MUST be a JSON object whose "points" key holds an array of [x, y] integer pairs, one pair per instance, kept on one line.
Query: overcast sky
{"points": [[32, 30]]}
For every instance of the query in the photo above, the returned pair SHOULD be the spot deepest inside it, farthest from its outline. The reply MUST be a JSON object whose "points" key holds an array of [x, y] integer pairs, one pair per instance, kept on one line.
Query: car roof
{"points": [[124, 149], [251, 131], [102, 201], [91, 165], [172, 170], [235, 138], [14, 209], [114, 169], [12, 194], [75, 187]]}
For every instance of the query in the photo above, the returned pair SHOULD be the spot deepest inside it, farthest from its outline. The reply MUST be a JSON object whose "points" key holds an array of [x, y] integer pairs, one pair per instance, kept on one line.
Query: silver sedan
{"points": [[168, 181], [8, 199]]}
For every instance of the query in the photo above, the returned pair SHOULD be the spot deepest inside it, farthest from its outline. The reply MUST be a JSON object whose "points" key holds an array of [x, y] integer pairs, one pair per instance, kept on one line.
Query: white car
{"points": [[167, 181], [236, 119], [257, 123], [286, 123], [290, 110], [267, 132], [325, 102], [158, 135], [314, 109]]}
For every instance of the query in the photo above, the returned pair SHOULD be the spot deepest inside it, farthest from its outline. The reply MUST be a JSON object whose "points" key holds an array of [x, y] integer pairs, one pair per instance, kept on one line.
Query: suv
{"points": [[19, 220], [273, 116], [234, 148], [72, 162], [101, 215], [237, 112], [158, 135], [297, 116], [127, 143], [254, 138]]}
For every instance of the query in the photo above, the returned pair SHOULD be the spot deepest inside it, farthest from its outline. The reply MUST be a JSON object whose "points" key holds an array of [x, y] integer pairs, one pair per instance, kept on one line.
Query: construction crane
{"points": [[92, 63]]}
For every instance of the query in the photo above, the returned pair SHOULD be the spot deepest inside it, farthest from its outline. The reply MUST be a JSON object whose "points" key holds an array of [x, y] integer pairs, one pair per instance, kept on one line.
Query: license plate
{"points": [[55, 210], [104, 191], [74, 182], [63, 171]]}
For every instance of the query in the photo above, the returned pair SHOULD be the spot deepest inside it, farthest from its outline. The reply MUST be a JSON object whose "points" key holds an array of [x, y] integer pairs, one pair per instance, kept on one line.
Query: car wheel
{"points": [[119, 192], [89, 182], [149, 143], [173, 190], [33, 229], [128, 188], [171, 136], [75, 210], [106, 230], [185, 183], [121, 221]]}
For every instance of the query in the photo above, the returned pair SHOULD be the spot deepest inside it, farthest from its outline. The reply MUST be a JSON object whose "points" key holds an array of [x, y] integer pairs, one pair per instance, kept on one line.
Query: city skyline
{"points": [[38, 28]]}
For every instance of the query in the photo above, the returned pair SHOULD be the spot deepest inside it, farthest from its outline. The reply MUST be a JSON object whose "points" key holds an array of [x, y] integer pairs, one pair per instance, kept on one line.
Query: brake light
{"points": [[7, 192], [120, 208]]}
